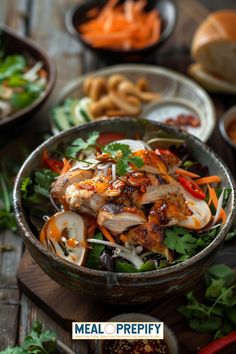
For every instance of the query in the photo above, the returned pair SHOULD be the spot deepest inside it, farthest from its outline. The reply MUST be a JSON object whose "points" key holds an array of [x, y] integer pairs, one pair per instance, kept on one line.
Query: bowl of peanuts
{"points": [[135, 90]]}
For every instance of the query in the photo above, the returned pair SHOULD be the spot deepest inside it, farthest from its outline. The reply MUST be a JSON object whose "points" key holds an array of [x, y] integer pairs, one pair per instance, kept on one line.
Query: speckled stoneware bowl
{"points": [[124, 288]]}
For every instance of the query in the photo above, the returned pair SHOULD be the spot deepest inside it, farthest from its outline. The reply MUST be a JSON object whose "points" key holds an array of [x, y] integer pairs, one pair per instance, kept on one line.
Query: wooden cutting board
{"points": [[65, 306]]}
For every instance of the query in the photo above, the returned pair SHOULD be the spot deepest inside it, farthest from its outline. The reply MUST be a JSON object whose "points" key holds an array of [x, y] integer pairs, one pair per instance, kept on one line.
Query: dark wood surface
{"points": [[43, 20]]}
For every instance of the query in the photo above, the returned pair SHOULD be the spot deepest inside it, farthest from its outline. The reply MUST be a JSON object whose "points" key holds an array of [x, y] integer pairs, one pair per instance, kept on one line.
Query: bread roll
{"points": [[214, 45]]}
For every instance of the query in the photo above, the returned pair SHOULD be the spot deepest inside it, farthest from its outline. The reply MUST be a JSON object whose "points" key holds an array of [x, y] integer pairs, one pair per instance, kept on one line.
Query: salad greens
{"points": [[21, 83], [36, 342], [216, 314]]}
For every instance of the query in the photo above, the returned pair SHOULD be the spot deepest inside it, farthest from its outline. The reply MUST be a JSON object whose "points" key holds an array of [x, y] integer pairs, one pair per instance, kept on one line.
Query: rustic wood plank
{"points": [[16, 14], [31, 312]]}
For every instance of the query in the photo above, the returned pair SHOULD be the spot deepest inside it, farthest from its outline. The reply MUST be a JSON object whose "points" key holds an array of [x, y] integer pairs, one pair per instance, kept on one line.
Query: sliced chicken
{"points": [[169, 210], [152, 162], [151, 236], [180, 209], [119, 218], [160, 185], [201, 214], [84, 200], [62, 182], [172, 162]]}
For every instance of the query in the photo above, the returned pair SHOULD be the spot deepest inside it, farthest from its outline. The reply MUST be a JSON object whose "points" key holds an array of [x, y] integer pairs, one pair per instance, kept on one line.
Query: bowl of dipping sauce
{"points": [[228, 127], [168, 345]]}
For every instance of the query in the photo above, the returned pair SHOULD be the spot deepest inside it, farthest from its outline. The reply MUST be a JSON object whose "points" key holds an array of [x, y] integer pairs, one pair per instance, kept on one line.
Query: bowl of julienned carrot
{"points": [[123, 30]]}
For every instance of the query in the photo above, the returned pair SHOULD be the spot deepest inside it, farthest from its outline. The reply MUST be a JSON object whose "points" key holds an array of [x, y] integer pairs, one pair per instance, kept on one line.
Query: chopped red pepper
{"points": [[219, 344], [106, 138], [191, 187], [163, 152], [54, 165]]}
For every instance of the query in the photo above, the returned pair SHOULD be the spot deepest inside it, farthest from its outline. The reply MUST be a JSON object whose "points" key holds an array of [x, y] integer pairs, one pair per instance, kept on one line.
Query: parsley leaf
{"points": [[181, 241], [80, 144], [123, 157], [36, 342]]}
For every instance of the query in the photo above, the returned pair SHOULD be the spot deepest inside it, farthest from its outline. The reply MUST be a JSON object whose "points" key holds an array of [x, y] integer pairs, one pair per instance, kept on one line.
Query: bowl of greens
{"points": [[27, 77], [124, 210]]}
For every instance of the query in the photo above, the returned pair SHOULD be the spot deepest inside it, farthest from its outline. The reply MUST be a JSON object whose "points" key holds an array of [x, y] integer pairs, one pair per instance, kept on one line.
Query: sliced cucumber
{"points": [[60, 119]]}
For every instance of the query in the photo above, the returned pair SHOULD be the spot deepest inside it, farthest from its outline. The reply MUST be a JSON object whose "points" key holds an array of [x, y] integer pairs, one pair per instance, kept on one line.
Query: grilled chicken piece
{"points": [[201, 214], [160, 185], [151, 236], [62, 182], [172, 162], [84, 200], [119, 218], [152, 162], [169, 210], [180, 209]]}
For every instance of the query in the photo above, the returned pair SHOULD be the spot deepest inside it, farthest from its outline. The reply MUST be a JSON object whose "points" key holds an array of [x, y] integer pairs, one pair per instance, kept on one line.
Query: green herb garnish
{"points": [[123, 157], [216, 314], [80, 144], [36, 342]]}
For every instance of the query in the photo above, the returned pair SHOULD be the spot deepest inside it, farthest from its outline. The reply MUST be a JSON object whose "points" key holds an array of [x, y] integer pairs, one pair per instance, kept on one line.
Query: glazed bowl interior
{"points": [[12, 43], [225, 121], [77, 15], [124, 287]]}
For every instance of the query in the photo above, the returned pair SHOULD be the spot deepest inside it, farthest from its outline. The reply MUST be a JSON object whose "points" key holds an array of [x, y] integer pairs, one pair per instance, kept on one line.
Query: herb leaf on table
{"points": [[217, 312]]}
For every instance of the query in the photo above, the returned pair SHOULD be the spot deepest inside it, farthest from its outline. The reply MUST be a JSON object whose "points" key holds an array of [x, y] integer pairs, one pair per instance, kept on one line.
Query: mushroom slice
{"points": [[151, 236], [119, 218], [64, 235]]}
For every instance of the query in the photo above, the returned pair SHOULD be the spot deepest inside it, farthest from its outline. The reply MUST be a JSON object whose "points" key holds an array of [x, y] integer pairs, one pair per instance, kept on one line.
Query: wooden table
{"points": [[43, 21]]}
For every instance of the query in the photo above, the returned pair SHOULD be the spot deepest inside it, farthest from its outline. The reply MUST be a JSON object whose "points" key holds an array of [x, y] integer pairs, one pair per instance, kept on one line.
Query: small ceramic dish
{"points": [[15, 44], [173, 88], [169, 337], [228, 118], [77, 15]]}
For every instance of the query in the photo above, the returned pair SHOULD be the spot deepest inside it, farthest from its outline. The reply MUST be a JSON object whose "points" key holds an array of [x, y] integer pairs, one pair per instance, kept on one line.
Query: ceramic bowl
{"points": [[77, 15], [169, 337], [124, 288], [17, 44], [225, 121], [175, 90]]}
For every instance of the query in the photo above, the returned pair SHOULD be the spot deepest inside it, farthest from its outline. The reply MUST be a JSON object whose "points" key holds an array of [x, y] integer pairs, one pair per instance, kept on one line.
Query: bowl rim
{"points": [[29, 235], [52, 74], [142, 68], [225, 119], [165, 35]]}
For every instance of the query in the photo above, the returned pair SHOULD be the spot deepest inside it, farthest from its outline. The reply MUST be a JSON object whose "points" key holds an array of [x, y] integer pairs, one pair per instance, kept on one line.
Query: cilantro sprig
{"points": [[36, 342], [216, 314], [123, 157], [80, 144]]}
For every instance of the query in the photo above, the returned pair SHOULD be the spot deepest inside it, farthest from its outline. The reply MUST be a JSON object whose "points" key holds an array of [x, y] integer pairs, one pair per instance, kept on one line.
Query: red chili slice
{"points": [[54, 165], [106, 138], [163, 152], [192, 187]]}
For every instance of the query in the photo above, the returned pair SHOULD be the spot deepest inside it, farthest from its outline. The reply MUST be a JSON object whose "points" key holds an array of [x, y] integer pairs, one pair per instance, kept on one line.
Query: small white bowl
{"points": [[225, 121], [169, 337]]}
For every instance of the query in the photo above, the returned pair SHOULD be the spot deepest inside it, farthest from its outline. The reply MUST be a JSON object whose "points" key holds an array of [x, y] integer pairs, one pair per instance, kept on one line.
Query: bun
{"points": [[214, 45]]}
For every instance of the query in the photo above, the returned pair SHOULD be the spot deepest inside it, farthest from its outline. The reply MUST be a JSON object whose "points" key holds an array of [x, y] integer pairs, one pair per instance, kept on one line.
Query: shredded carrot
{"points": [[106, 233], [182, 172], [207, 180], [214, 199], [124, 25], [67, 166], [91, 230], [45, 155], [123, 238]]}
